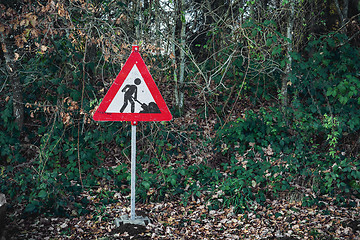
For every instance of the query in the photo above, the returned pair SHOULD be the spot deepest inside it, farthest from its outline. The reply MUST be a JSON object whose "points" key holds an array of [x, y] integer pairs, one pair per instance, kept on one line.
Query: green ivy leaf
{"points": [[276, 51], [42, 194], [269, 41], [30, 207], [146, 185]]}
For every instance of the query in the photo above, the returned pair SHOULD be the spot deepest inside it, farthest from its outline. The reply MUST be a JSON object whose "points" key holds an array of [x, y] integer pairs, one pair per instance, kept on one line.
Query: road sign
{"points": [[133, 96]]}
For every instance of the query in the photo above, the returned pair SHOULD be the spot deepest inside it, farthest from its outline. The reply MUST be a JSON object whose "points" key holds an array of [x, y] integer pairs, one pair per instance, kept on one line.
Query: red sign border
{"points": [[134, 58]]}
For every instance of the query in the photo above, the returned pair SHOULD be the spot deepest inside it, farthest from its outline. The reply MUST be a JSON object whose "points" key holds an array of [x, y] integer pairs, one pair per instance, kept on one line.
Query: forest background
{"points": [[264, 94]]}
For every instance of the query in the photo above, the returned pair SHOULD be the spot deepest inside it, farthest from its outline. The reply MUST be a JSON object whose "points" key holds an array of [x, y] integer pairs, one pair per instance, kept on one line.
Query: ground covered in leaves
{"points": [[276, 219]]}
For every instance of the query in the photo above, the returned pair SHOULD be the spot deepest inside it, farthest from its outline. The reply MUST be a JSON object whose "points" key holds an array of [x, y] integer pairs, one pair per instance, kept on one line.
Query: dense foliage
{"points": [[234, 141]]}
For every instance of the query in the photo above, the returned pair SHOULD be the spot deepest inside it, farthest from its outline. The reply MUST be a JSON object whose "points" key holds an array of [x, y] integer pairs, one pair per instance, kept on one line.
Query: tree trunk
{"points": [[178, 53], [18, 106], [173, 49], [137, 21], [343, 13], [157, 22], [285, 80], [2, 216], [180, 104]]}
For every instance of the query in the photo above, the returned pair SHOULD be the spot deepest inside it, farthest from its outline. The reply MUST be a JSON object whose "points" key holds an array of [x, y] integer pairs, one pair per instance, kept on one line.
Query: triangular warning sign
{"points": [[133, 96]]}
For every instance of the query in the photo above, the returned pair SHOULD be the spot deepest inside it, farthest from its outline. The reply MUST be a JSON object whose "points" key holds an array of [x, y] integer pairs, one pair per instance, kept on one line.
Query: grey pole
{"points": [[139, 220], [133, 168]]}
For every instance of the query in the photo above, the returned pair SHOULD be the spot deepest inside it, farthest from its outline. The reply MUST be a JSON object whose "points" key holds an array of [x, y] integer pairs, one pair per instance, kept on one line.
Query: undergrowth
{"points": [[310, 149]]}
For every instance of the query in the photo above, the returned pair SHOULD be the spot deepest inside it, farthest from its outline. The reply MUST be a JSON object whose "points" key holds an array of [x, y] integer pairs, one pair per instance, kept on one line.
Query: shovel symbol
{"points": [[151, 108]]}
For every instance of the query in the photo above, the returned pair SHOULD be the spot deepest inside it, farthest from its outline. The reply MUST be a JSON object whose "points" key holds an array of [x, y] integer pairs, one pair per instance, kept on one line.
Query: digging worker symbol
{"points": [[130, 95]]}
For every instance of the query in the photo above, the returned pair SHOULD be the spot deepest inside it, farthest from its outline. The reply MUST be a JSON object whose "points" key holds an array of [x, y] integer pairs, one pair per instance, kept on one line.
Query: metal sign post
{"points": [[140, 220], [133, 169]]}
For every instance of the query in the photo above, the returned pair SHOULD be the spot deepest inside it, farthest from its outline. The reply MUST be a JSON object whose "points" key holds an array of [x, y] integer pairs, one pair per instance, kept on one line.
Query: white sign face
{"points": [[133, 96]]}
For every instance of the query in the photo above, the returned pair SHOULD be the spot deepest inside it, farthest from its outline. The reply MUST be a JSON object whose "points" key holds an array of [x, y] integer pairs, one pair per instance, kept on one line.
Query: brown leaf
{"points": [[16, 56], [32, 20], [43, 48], [19, 41], [24, 23], [34, 33]]}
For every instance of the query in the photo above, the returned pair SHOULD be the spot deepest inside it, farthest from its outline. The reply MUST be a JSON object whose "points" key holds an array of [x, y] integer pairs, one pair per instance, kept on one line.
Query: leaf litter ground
{"points": [[276, 219]]}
